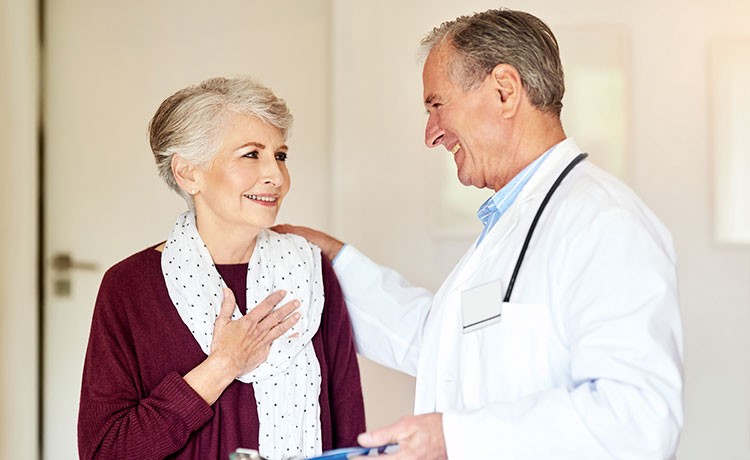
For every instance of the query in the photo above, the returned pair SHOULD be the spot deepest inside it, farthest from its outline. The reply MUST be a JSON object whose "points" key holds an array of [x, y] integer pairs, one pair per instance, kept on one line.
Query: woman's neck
{"points": [[228, 247], [226, 250]]}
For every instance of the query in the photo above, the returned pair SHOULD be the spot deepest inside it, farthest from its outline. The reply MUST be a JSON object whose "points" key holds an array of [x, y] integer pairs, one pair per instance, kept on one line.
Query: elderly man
{"points": [[558, 334]]}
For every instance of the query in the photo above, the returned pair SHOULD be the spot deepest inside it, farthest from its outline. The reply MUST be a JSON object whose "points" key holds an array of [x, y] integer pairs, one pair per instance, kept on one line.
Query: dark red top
{"points": [[135, 403]]}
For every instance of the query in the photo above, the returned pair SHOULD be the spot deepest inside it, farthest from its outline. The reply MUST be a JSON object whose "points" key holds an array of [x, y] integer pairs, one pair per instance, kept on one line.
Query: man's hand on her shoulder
{"points": [[329, 245]]}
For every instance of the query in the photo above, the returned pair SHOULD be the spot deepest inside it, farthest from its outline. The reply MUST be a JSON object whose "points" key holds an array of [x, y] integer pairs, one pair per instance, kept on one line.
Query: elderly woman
{"points": [[192, 352]]}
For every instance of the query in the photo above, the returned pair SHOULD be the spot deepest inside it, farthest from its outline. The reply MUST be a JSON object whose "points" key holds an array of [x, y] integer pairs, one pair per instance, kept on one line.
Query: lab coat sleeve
{"points": [[617, 302], [387, 313]]}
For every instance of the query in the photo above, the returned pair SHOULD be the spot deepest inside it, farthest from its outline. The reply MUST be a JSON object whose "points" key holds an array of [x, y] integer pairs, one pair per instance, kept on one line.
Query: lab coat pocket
{"points": [[508, 359]]}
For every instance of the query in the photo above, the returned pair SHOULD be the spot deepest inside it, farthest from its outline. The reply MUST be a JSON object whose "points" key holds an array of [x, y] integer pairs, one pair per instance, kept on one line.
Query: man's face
{"points": [[466, 123]]}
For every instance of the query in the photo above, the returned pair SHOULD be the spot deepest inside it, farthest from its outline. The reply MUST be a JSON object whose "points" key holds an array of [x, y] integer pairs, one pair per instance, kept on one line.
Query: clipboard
{"points": [[345, 453], [355, 452]]}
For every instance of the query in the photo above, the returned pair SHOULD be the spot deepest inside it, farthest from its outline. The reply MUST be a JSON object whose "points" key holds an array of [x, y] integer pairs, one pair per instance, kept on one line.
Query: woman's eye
{"points": [[253, 154], [281, 156]]}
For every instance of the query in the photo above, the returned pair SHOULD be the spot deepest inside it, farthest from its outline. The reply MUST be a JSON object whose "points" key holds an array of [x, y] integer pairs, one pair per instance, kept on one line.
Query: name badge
{"points": [[482, 306]]}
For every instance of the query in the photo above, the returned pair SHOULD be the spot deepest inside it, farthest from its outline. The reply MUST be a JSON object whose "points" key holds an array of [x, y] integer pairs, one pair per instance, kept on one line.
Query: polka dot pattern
{"points": [[287, 384]]}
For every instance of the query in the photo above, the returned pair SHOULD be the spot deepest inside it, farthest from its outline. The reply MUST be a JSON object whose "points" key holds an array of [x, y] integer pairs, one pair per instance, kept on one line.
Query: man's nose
{"points": [[433, 134]]}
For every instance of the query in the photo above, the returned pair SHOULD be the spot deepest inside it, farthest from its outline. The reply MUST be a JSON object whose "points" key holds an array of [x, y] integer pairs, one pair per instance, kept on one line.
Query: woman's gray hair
{"points": [[502, 36], [189, 122]]}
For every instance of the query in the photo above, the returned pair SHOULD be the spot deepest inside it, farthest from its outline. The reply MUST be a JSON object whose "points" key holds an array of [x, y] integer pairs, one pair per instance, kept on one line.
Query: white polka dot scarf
{"points": [[287, 384]]}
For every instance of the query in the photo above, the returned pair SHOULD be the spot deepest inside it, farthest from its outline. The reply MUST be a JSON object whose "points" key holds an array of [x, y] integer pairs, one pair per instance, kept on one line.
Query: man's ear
{"points": [[509, 88], [184, 173]]}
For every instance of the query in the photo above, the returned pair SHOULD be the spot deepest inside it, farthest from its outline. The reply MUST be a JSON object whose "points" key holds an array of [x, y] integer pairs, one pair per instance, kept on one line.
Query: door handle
{"points": [[62, 264], [63, 261]]}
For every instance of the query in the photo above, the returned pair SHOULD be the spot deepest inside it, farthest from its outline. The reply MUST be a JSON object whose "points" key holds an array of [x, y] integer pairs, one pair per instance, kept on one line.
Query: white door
{"points": [[107, 67]]}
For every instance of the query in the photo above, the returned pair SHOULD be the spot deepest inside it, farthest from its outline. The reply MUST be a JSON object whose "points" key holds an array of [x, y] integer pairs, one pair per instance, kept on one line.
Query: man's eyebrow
{"points": [[428, 100]]}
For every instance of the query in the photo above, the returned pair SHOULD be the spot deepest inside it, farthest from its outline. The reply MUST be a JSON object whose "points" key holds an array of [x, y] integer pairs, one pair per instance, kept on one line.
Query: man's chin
{"points": [[467, 181], [470, 183]]}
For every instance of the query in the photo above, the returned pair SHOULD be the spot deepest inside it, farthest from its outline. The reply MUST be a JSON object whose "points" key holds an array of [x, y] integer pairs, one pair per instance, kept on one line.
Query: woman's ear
{"points": [[509, 88], [184, 173]]}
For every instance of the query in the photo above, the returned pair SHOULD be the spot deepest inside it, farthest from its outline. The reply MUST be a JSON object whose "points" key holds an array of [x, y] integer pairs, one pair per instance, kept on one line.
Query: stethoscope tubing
{"points": [[532, 227]]}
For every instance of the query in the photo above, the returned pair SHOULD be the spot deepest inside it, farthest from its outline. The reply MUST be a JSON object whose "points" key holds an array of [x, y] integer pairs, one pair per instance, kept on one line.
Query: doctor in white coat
{"points": [[572, 350]]}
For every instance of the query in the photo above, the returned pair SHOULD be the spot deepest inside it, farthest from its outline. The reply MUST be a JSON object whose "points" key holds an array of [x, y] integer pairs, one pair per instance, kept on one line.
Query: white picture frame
{"points": [[729, 64]]}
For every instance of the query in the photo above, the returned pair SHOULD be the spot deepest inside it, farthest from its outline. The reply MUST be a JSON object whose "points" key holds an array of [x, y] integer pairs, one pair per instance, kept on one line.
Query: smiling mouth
{"points": [[456, 148], [264, 199]]}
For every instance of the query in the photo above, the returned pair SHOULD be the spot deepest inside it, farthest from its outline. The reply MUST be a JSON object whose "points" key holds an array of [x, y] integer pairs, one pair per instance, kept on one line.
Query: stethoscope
{"points": [[525, 246]]}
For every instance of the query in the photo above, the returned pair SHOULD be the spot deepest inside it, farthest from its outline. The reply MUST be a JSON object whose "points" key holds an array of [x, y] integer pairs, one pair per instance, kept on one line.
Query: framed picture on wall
{"points": [[595, 111], [729, 64]]}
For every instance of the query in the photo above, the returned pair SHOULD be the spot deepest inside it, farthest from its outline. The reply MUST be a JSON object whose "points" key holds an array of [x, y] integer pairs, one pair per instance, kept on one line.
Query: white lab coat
{"points": [[586, 361]]}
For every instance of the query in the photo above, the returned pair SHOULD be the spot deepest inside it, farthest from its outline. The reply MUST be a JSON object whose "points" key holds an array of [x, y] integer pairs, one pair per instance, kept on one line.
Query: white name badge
{"points": [[482, 305]]}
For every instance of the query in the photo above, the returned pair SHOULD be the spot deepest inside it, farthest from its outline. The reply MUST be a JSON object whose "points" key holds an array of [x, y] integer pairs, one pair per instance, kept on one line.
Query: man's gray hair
{"points": [[189, 122], [484, 40]]}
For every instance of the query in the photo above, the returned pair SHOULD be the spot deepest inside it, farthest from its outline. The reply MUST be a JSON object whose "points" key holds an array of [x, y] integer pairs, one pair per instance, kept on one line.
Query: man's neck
{"points": [[532, 136]]}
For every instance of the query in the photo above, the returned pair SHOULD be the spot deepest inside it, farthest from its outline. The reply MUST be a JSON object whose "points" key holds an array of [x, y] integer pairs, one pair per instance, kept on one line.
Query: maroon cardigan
{"points": [[135, 403]]}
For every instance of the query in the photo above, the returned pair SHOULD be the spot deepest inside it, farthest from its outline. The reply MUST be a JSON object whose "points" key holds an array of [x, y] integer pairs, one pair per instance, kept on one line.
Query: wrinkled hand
{"points": [[245, 343], [328, 245], [241, 345], [418, 437]]}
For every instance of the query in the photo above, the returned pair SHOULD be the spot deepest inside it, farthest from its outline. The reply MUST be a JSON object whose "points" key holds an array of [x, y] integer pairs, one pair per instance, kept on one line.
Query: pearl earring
{"points": [[192, 192]]}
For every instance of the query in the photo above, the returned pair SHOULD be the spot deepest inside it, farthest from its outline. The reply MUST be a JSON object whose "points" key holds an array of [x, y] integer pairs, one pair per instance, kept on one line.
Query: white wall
{"points": [[18, 232]]}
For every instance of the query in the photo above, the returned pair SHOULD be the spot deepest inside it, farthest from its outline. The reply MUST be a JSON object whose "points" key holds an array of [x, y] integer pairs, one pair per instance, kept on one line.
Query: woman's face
{"points": [[245, 183]]}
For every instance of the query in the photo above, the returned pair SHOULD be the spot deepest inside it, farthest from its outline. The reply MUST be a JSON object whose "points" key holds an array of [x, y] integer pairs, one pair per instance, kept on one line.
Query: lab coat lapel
{"points": [[532, 194], [443, 330], [505, 240]]}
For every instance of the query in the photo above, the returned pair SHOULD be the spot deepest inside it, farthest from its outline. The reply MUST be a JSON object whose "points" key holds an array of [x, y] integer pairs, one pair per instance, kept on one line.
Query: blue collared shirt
{"points": [[492, 209]]}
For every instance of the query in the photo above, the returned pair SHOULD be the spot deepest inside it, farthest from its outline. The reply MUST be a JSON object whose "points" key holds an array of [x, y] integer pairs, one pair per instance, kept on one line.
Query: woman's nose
{"points": [[433, 134], [272, 173]]}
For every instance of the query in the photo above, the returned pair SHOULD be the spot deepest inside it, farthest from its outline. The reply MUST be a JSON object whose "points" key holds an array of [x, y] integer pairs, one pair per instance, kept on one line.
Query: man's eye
{"points": [[281, 156], [433, 108], [253, 154]]}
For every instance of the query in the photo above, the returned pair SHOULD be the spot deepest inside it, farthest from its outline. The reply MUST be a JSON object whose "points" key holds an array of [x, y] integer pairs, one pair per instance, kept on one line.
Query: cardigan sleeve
{"points": [[117, 418], [345, 388]]}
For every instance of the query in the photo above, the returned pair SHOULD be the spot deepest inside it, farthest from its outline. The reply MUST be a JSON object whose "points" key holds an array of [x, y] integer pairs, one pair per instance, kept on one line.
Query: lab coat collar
{"points": [[548, 171]]}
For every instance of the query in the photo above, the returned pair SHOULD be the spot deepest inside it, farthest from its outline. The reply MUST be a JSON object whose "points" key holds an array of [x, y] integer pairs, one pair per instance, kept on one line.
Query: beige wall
{"points": [[374, 186], [18, 231]]}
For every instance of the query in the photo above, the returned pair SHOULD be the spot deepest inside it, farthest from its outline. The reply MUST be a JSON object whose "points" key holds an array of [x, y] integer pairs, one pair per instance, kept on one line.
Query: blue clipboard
{"points": [[335, 454], [355, 452]]}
